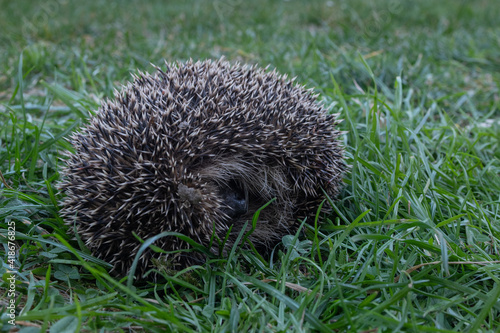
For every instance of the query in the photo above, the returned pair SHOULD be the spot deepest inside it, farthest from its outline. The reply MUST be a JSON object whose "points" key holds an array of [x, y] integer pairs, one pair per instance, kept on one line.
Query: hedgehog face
{"points": [[195, 149], [241, 189]]}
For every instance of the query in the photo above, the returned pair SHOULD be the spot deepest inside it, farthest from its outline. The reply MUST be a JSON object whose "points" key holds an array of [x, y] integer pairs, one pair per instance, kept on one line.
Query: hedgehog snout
{"points": [[234, 200]]}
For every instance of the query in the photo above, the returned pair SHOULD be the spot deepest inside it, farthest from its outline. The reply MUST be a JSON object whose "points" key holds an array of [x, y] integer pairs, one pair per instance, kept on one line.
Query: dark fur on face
{"points": [[196, 148]]}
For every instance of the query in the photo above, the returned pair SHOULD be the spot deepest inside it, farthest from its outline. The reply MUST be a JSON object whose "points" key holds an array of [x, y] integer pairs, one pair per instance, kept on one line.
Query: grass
{"points": [[413, 242]]}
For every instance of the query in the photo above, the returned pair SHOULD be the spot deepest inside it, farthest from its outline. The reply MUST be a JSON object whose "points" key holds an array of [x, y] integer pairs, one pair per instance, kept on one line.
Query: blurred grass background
{"points": [[102, 41]]}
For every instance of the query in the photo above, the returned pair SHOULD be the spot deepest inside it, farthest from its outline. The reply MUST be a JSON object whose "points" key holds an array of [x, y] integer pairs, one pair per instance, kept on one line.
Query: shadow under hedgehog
{"points": [[197, 148]]}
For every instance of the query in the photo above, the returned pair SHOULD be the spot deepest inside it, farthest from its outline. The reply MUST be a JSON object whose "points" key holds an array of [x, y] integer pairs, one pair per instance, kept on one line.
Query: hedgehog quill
{"points": [[195, 148]]}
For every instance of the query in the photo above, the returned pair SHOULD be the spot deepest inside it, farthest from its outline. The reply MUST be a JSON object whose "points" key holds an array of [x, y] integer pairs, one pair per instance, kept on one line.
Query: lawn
{"points": [[413, 241]]}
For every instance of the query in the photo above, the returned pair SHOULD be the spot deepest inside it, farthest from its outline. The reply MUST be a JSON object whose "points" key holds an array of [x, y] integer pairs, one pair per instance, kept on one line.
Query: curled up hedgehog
{"points": [[197, 148]]}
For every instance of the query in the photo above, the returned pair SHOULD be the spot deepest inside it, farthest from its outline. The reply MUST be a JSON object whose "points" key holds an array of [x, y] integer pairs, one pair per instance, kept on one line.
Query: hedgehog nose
{"points": [[234, 202], [235, 205]]}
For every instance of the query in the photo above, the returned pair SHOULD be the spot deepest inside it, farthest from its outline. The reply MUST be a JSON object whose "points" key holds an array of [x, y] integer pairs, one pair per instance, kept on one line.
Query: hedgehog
{"points": [[197, 148]]}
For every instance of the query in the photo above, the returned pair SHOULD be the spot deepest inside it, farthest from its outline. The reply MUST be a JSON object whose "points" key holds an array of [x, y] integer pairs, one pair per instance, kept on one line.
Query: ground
{"points": [[413, 241]]}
